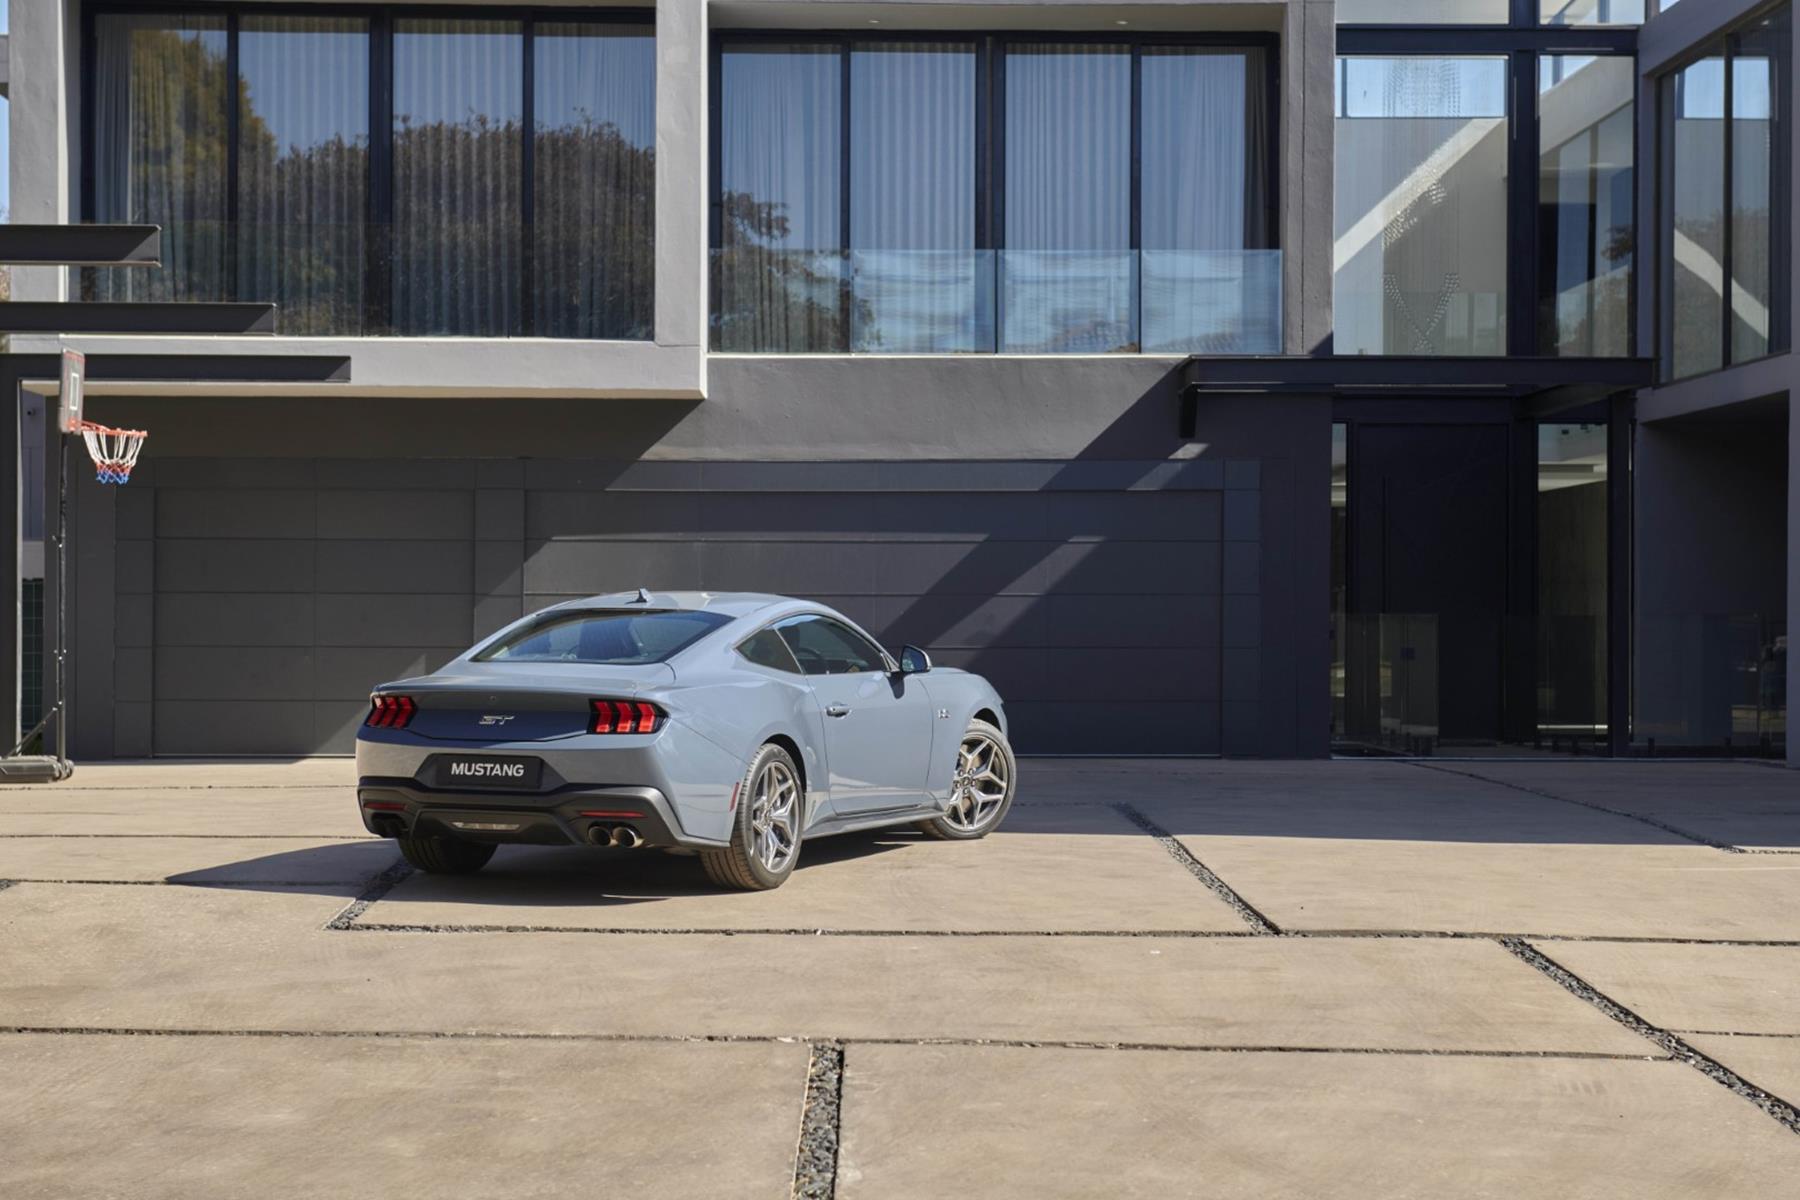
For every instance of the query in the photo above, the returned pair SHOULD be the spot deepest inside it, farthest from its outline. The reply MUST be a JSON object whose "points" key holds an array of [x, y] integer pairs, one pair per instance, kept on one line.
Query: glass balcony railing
{"points": [[996, 301]]}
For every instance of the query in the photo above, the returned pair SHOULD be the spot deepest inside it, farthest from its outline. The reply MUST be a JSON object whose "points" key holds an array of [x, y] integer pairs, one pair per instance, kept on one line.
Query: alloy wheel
{"points": [[979, 787], [774, 817]]}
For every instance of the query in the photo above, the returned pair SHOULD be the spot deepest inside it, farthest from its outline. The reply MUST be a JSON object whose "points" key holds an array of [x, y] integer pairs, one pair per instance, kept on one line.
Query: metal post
{"points": [[62, 598]]}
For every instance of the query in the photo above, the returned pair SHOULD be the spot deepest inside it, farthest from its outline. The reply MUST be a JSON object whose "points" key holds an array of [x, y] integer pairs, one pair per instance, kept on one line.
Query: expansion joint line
{"points": [[1710, 1067], [1678, 831], [816, 1156], [1199, 870], [374, 890]]}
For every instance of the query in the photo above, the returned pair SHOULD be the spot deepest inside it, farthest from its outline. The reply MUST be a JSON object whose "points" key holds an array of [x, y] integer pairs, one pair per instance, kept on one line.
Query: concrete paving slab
{"points": [[303, 1117], [1078, 868], [224, 811], [1771, 1063], [1682, 891], [210, 958], [1687, 988], [1740, 804], [1004, 1122], [1379, 801], [195, 860]]}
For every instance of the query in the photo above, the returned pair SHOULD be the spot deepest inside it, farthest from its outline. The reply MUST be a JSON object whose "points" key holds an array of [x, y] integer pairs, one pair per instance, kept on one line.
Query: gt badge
{"points": [[943, 714]]}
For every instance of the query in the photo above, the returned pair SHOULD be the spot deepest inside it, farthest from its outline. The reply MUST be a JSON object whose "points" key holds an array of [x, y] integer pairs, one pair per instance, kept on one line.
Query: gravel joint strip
{"points": [[816, 1156], [1679, 832], [376, 888], [1199, 870], [1719, 1073]]}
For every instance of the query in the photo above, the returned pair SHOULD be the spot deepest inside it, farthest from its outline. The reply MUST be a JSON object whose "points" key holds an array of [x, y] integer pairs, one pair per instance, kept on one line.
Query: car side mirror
{"points": [[914, 661]]}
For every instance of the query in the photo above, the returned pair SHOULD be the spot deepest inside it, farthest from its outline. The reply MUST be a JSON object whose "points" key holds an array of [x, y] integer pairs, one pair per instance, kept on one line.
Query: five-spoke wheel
{"points": [[981, 787]]}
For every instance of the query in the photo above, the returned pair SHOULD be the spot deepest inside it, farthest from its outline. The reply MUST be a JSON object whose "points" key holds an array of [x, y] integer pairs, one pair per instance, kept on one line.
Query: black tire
{"points": [[737, 865], [444, 856], [949, 830]]}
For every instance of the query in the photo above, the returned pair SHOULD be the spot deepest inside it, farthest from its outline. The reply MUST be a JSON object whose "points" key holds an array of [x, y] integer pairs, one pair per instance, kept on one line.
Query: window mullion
{"points": [[233, 116], [528, 174], [1728, 210]]}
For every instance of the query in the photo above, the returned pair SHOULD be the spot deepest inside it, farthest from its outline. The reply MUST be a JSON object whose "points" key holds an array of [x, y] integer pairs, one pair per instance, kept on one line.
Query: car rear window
{"points": [[605, 637]]}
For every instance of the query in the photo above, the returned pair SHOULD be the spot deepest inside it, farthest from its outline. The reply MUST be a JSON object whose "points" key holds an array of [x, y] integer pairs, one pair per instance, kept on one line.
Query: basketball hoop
{"points": [[114, 451]]}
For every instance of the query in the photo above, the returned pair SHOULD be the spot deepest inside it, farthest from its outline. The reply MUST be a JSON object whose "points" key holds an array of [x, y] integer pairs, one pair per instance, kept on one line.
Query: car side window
{"points": [[824, 647], [766, 649]]}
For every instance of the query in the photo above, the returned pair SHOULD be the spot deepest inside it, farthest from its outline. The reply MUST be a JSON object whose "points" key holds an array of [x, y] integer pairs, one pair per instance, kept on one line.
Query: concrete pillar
{"points": [[683, 210]]}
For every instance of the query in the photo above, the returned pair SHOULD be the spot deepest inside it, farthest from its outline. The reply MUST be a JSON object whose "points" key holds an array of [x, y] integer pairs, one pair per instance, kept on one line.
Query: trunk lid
{"points": [[499, 702]]}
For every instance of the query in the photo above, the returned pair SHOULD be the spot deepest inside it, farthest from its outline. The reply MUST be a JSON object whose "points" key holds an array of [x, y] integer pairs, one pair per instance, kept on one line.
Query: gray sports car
{"points": [[733, 725]]}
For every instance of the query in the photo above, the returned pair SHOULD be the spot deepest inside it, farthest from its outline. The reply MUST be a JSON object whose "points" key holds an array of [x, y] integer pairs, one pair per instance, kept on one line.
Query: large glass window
{"points": [[458, 108], [955, 195], [1725, 203], [1586, 202], [1210, 285], [1572, 538], [162, 127], [1421, 228], [918, 280], [385, 173], [593, 181], [303, 168], [1591, 12]]}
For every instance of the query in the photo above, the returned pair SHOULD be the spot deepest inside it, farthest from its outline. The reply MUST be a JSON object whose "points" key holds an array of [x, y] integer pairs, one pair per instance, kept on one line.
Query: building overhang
{"points": [[1545, 385]]}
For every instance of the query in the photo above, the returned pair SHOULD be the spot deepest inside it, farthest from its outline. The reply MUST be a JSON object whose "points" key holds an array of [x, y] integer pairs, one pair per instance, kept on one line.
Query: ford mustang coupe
{"points": [[731, 725]]}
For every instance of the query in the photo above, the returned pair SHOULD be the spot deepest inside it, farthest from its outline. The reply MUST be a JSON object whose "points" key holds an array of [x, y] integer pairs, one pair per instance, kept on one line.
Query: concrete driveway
{"points": [[1161, 978]]}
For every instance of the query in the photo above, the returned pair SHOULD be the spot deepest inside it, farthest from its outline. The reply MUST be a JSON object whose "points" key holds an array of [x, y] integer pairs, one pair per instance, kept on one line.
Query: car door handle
{"points": [[837, 710]]}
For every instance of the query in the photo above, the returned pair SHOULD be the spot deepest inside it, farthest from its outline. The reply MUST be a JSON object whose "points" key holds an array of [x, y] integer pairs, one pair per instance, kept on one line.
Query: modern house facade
{"points": [[1379, 376]]}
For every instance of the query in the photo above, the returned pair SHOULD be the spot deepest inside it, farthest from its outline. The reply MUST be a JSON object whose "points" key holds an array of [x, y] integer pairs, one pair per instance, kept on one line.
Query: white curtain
{"points": [[303, 169], [1068, 276], [919, 286], [594, 195], [458, 112], [779, 267], [160, 143]]}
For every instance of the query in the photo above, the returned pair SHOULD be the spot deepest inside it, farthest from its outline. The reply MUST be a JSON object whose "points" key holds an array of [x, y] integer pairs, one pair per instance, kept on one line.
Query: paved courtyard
{"points": [[1161, 978]]}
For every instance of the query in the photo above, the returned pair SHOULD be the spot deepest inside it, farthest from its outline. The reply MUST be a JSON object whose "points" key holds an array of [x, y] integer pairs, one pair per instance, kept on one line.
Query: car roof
{"points": [[730, 604]]}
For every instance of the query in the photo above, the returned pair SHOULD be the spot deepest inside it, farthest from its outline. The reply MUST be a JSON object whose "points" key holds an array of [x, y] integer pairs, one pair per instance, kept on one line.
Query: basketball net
{"points": [[114, 451]]}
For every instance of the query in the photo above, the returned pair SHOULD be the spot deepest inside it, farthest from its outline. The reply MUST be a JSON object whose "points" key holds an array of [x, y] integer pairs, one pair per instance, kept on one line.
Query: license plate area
{"points": [[483, 773]]}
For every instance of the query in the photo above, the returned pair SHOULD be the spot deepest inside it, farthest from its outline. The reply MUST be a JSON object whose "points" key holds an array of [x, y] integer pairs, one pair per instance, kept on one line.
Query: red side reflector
{"points": [[611, 814], [384, 805]]}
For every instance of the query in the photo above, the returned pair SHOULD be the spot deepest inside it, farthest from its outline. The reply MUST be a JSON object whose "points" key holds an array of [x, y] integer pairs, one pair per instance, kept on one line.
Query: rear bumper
{"points": [[567, 816]]}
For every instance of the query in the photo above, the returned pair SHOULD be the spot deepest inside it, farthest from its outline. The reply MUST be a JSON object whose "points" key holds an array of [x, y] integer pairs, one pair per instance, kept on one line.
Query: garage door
{"points": [[1096, 610]]}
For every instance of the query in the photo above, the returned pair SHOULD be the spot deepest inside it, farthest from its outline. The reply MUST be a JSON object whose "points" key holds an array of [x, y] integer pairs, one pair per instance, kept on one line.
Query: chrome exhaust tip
{"points": [[626, 836]]}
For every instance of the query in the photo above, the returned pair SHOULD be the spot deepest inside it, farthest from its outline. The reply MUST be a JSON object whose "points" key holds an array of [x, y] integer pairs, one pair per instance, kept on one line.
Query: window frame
{"points": [[989, 199], [378, 215], [1521, 15], [738, 649], [1724, 46], [1523, 44], [888, 666]]}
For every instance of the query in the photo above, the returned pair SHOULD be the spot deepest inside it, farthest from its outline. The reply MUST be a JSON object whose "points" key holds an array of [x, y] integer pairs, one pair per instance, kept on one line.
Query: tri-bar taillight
{"points": [[390, 712], [625, 716]]}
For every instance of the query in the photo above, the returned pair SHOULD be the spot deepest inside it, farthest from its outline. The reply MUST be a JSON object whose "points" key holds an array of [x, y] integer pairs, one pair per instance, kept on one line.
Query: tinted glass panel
{"points": [[912, 200], [766, 649], [458, 103], [780, 267], [1586, 230], [1759, 190], [1571, 624], [594, 181], [1423, 12], [1209, 284], [1592, 12], [1695, 274], [825, 647], [160, 137], [303, 169], [1068, 274], [1421, 226], [615, 638]]}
